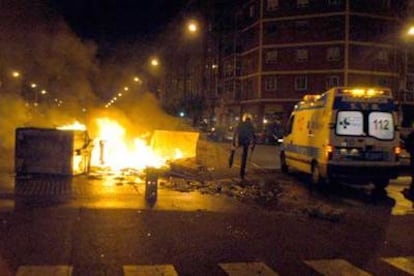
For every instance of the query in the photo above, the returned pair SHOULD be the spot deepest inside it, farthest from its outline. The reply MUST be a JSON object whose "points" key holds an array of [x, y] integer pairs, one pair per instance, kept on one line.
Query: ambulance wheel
{"points": [[316, 178], [283, 166]]}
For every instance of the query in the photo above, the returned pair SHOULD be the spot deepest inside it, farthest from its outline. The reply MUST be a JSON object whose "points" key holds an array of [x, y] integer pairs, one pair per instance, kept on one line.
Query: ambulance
{"points": [[346, 133]]}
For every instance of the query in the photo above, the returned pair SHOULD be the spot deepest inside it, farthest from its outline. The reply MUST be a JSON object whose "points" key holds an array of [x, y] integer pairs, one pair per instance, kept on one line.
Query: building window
{"points": [[332, 81], [302, 27], [251, 11], [301, 83], [334, 2], [301, 55], [247, 65], [383, 82], [271, 56], [386, 4], [382, 57], [333, 54], [228, 86], [271, 84], [272, 5], [228, 70], [302, 3], [271, 29]]}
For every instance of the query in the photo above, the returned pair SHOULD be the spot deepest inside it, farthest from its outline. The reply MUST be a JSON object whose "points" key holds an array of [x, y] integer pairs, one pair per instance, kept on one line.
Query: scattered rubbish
{"points": [[325, 212]]}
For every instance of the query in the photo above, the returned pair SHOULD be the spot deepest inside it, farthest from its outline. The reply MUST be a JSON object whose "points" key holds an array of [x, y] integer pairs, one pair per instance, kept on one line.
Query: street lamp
{"points": [[155, 62], [411, 31], [192, 26], [16, 74]]}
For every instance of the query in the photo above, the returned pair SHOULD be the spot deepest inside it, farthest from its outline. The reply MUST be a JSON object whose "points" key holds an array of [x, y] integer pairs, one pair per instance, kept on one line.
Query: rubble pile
{"points": [[264, 192]]}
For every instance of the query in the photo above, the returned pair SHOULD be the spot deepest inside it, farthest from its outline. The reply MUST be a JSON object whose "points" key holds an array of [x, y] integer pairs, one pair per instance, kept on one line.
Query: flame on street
{"points": [[111, 149]]}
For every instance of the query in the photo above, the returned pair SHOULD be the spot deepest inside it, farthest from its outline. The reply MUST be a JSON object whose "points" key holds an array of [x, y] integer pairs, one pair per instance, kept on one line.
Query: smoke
{"points": [[55, 71], [38, 43]]}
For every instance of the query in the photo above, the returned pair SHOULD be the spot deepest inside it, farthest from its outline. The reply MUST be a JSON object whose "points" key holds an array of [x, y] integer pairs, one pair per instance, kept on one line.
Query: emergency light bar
{"points": [[311, 98], [366, 92]]}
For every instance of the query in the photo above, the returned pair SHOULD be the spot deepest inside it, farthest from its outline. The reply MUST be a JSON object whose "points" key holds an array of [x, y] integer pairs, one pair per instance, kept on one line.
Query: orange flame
{"points": [[114, 151], [111, 149]]}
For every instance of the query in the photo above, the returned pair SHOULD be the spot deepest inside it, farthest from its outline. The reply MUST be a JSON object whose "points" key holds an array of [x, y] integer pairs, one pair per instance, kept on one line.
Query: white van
{"points": [[344, 133]]}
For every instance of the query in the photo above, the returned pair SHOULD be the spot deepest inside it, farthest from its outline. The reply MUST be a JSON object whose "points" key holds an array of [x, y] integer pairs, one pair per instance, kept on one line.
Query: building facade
{"points": [[281, 50]]}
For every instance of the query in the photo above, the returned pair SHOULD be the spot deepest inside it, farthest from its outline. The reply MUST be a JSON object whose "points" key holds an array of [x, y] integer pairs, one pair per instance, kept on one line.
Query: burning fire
{"points": [[75, 126], [112, 150]]}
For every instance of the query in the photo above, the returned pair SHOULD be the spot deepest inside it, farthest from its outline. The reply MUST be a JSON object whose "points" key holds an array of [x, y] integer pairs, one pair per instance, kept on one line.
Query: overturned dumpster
{"points": [[51, 151]]}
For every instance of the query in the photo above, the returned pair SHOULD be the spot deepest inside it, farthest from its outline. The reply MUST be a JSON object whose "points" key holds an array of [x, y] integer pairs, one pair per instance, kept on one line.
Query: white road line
{"points": [[247, 269], [404, 263], [41, 270], [149, 270], [336, 267]]}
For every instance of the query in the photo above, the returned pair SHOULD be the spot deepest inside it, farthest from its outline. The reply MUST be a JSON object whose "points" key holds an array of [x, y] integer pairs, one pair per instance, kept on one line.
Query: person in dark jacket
{"points": [[244, 137], [409, 145]]}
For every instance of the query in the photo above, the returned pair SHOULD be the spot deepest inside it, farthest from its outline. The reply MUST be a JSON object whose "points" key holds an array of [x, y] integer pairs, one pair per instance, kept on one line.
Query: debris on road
{"points": [[325, 212]]}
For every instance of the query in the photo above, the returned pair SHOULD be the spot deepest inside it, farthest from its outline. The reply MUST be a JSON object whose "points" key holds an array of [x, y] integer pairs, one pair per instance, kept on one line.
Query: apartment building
{"points": [[284, 49]]}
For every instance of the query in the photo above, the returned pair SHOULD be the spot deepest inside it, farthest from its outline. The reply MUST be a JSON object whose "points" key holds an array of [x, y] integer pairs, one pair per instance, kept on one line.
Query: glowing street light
{"points": [[154, 62], [411, 31], [44, 92], [192, 27], [136, 79], [33, 85], [15, 74], [126, 88]]}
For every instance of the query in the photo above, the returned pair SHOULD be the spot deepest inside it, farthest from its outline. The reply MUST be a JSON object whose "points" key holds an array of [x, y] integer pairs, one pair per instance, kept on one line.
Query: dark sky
{"points": [[113, 21]]}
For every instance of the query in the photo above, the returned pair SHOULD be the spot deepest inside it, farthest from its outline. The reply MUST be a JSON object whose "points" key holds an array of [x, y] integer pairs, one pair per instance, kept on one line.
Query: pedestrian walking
{"points": [[244, 137], [409, 145]]}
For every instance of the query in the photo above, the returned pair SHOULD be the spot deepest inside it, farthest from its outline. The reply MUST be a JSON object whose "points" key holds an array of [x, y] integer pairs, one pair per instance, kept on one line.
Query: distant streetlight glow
{"points": [[33, 85], [15, 74], [154, 62], [136, 79], [126, 88], [192, 26], [119, 94], [411, 31], [43, 92]]}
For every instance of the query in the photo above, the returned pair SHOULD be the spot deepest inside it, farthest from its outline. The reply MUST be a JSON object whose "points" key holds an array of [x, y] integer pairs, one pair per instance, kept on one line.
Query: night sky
{"points": [[113, 21]]}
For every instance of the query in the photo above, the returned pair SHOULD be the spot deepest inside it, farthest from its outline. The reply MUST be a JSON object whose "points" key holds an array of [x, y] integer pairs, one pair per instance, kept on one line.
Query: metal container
{"points": [[52, 151]]}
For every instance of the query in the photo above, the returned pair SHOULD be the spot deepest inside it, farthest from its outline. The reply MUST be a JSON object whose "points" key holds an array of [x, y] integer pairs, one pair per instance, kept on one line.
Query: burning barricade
{"points": [[68, 150]]}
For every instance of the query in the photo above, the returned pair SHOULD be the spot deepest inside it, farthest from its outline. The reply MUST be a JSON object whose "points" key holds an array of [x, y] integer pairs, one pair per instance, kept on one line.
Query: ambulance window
{"points": [[350, 123], [381, 125], [289, 125]]}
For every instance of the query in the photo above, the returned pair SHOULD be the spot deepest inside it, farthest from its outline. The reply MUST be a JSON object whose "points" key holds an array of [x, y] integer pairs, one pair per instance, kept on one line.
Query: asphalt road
{"points": [[104, 226]]}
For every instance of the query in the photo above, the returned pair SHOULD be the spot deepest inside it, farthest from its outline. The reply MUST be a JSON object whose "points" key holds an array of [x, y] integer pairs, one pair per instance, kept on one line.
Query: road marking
{"points": [[247, 269], [402, 205], [404, 263], [41, 270], [149, 270], [336, 267]]}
